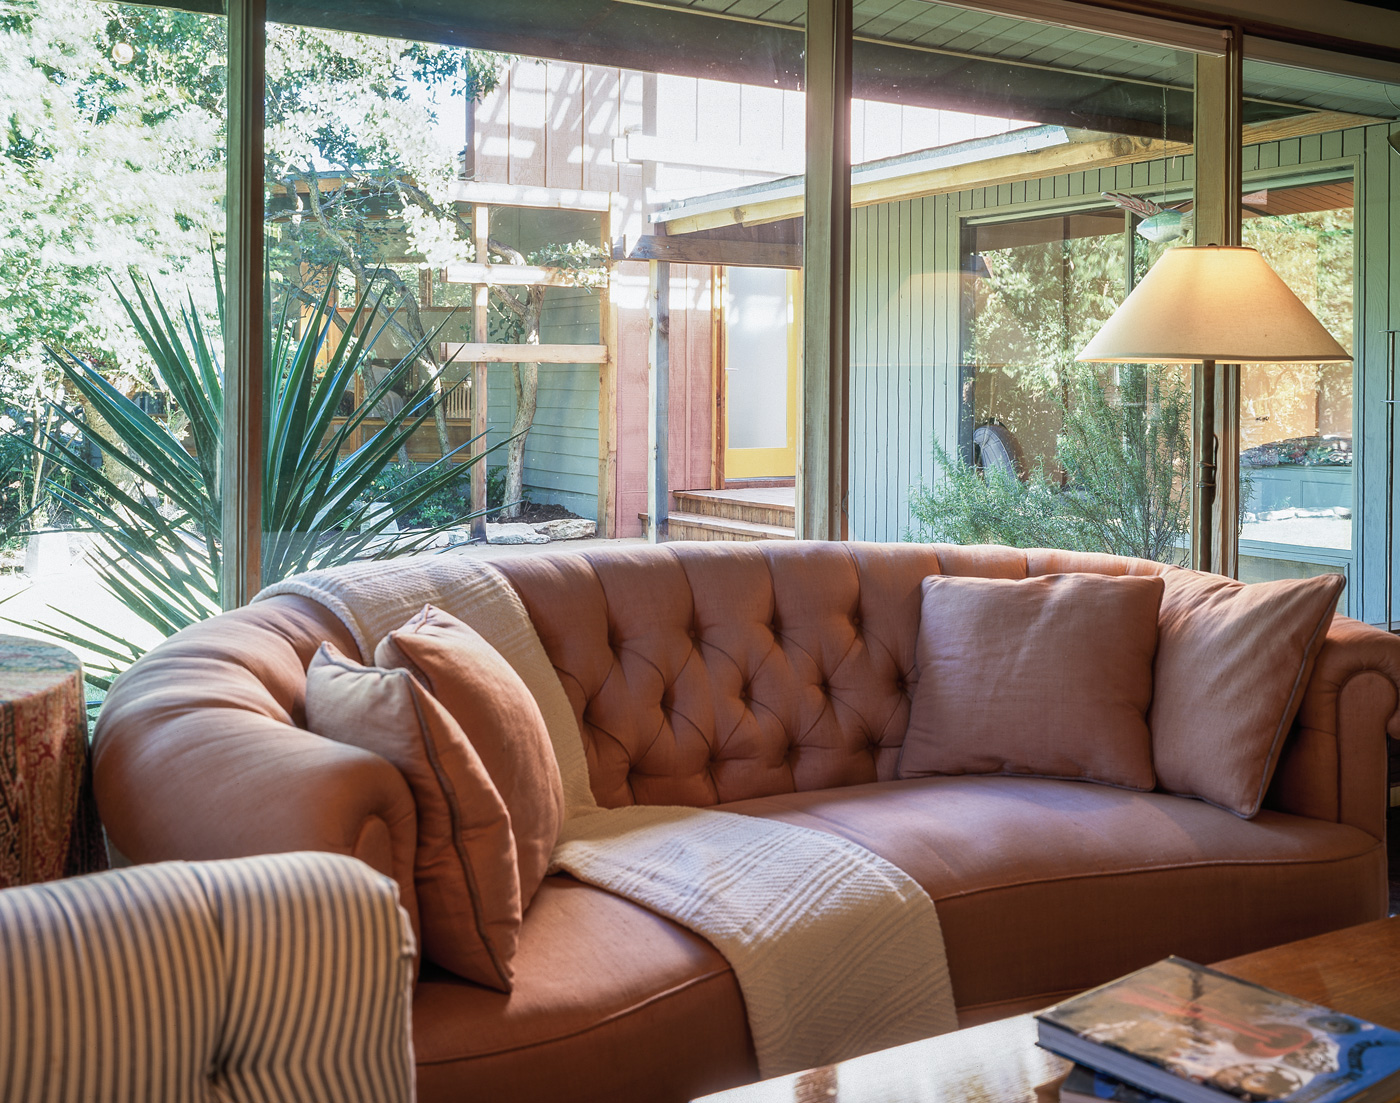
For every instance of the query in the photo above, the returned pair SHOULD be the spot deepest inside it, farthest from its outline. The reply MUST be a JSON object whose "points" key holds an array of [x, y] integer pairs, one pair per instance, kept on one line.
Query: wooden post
{"points": [[659, 403], [481, 232], [822, 444], [241, 459], [607, 403], [1216, 393]]}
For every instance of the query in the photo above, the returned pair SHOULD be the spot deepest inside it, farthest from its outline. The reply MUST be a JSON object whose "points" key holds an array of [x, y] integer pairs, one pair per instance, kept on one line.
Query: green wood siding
{"points": [[561, 452], [905, 325]]}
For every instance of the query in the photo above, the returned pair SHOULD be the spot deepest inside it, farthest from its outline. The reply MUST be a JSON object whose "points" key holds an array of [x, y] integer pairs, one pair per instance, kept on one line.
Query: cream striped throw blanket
{"points": [[837, 952]]}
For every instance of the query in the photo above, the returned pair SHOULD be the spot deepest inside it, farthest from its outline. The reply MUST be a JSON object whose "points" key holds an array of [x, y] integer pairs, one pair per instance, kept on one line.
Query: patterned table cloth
{"points": [[48, 819]]}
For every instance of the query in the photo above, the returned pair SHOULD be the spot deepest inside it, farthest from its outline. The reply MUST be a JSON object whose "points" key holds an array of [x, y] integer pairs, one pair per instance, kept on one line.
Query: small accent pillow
{"points": [[1232, 665], [464, 867], [485, 695], [1044, 677]]}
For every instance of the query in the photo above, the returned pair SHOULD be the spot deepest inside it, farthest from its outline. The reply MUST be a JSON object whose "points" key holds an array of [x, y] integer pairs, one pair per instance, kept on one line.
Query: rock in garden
{"points": [[568, 528], [514, 534]]}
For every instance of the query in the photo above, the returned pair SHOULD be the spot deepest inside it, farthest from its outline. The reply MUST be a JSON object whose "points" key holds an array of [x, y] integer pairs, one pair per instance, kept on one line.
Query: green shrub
{"points": [[1125, 490]]}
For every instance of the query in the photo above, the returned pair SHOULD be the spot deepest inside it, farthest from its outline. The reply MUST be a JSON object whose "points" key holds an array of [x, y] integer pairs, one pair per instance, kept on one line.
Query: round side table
{"points": [[48, 818]]}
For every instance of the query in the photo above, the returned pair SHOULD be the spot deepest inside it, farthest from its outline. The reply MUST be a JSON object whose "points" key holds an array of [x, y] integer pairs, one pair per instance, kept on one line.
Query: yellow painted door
{"points": [[762, 348]]}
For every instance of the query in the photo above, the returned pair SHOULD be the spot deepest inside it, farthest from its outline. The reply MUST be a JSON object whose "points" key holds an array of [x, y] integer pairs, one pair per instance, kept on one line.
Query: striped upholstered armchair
{"points": [[281, 977]]}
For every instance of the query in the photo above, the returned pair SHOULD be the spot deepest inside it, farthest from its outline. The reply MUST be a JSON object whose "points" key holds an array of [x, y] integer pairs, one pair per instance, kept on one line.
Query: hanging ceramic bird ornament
{"points": [[1159, 224]]}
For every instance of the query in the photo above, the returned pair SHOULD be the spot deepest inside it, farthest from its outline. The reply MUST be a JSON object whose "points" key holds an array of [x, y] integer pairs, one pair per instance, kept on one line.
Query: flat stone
{"points": [[47, 554], [514, 534], [376, 511], [568, 528]]}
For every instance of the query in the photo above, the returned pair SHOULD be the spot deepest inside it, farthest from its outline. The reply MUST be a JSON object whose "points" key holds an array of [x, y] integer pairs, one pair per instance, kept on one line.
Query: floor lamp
{"points": [[1205, 305]]}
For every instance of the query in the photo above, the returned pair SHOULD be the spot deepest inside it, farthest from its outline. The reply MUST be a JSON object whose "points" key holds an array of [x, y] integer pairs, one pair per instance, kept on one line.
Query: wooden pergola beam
{"points": [[499, 275], [693, 250], [525, 195], [478, 352]]}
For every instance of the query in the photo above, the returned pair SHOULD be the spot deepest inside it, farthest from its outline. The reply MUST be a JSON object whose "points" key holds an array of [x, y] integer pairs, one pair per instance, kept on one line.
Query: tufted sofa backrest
{"points": [[712, 672]]}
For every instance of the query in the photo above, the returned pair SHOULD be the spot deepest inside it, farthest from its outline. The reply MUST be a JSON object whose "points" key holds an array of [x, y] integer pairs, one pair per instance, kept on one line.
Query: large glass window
{"points": [[1297, 464], [1093, 458], [1049, 167], [1313, 457], [113, 168]]}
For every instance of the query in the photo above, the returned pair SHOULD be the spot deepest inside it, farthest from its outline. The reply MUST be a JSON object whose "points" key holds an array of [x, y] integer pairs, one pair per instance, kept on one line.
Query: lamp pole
{"points": [[1207, 444]]}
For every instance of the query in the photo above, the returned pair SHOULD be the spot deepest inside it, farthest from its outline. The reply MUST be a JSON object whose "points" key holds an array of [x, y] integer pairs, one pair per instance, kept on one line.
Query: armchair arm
{"points": [[198, 753], [285, 976], [1333, 766]]}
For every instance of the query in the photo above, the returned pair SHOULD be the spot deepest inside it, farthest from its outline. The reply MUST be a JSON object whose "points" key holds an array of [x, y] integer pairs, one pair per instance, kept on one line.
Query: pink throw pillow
{"points": [[1043, 677], [1232, 665], [464, 868], [500, 718]]}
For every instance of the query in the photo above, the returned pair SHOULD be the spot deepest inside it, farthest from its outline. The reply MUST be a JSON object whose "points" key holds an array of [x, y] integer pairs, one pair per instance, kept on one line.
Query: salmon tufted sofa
{"points": [[770, 680]]}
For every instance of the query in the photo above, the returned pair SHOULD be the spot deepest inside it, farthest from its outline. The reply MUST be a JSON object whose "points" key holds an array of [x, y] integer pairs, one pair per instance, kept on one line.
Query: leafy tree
{"points": [[112, 150], [113, 123]]}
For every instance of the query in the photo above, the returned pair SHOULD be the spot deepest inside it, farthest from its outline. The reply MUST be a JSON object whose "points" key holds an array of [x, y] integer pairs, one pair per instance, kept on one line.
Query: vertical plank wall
{"points": [[905, 323], [906, 327]]}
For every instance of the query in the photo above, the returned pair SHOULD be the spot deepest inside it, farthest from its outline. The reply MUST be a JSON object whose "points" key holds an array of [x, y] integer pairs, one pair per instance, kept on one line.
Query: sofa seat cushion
{"points": [[610, 1002], [1047, 887]]}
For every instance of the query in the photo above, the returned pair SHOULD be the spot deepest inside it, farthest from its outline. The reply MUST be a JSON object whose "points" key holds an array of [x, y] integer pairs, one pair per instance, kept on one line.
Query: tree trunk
{"points": [[527, 387]]}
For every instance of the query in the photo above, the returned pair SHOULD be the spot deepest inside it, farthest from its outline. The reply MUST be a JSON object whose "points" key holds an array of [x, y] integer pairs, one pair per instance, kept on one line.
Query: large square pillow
{"points": [[1046, 677], [484, 694], [464, 867], [1232, 663]]}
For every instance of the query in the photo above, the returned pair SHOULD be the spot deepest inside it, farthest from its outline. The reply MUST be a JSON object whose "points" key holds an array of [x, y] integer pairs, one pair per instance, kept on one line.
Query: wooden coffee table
{"points": [[1356, 970]]}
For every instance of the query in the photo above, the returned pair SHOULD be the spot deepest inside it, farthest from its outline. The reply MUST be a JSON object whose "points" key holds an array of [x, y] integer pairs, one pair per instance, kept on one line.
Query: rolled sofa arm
{"points": [[1333, 766], [280, 977], [198, 752]]}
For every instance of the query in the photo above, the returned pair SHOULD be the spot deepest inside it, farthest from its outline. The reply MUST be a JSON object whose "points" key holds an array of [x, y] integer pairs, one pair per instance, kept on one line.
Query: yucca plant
{"points": [[159, 542]]}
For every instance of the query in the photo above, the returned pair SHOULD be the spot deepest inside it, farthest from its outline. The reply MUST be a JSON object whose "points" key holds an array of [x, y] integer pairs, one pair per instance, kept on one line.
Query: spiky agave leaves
{"points": [[158, 541]]}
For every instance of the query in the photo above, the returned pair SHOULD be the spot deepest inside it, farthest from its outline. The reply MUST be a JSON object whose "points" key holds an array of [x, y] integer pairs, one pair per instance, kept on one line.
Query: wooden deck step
{"points": [[758, 506], [698, 526]]}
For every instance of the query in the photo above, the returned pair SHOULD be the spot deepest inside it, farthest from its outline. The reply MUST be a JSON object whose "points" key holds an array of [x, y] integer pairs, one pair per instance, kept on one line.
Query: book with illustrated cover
{"points": [[1084, 1085], [1192, 1035]]}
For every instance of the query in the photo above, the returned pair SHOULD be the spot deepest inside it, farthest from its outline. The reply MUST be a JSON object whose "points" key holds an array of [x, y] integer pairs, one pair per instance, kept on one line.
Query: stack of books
{"points": [[1181, 1033]]}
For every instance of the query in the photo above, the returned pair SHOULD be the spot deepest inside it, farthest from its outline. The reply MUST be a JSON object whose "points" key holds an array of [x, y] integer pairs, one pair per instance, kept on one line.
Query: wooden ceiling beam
{"points": [[709, 250], [691, 43]]}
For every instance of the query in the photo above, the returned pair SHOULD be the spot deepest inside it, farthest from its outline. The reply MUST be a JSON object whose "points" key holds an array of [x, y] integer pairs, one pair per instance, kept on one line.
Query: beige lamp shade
{"points": [[1212, 302]]}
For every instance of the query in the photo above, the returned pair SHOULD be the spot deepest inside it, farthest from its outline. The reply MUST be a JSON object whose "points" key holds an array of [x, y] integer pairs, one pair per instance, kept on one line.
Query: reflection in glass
{"points": [[1095, 456], [1296, 419]]}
